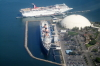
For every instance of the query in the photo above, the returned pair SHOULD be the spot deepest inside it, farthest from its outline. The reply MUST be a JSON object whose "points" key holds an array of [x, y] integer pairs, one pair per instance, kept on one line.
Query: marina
{"points": [[26, 43]]}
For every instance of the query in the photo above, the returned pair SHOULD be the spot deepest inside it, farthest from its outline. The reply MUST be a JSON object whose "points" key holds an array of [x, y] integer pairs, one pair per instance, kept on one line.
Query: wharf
{"points": [[57, 43]]}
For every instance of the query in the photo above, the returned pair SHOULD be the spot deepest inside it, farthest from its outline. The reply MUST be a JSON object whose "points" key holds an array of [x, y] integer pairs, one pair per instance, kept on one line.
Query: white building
{"points": [[75, 21]]}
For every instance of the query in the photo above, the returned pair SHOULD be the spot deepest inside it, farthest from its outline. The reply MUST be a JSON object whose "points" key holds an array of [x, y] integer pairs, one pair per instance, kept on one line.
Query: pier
{"points": [[57, 43], [29, 52]]}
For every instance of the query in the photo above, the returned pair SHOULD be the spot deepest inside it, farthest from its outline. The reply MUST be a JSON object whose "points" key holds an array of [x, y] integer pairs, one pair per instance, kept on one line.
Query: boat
{"points": [[44, 11], [46, 37]]}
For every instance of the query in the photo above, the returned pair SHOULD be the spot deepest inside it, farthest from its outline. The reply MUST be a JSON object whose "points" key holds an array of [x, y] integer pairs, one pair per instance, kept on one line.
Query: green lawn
{"points": [[65, 44], [88, 45], [72, 33]]}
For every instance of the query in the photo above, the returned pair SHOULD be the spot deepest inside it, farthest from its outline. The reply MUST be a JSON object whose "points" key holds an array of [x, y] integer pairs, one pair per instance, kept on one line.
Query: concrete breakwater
{"points": [[29, 52]]}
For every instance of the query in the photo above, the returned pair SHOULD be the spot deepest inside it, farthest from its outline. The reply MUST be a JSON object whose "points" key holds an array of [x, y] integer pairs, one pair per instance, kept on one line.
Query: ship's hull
{"points": [[45, 46], [45, 51], [44, 11]]}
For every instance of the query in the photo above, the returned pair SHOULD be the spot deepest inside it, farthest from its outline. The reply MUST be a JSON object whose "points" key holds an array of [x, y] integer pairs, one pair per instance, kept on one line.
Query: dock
{"points": [[29, 52], [57, 42]]}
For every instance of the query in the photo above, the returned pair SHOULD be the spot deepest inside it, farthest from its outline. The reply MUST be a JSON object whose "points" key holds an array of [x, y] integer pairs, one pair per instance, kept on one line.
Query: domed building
{"points": [[75, 21]]}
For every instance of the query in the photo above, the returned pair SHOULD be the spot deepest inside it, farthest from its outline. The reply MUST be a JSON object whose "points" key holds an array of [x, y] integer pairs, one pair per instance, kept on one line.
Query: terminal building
{"points": [[72, 21]]}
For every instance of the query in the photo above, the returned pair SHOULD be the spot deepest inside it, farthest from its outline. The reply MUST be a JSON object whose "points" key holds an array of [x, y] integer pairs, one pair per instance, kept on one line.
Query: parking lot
{"points": [[72, 60]]}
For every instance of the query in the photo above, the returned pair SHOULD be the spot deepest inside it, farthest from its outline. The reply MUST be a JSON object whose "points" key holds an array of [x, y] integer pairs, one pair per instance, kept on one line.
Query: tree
{"points": [[72, 53], [86, 28], [75, 29], [91, 37], [72, 39], [92, 42], [81, 28], [79, 53], [94, 50], [97, 59]]}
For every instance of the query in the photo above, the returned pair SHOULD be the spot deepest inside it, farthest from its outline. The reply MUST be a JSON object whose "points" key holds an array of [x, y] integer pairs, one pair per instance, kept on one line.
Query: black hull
{"points": [[45, 51]]}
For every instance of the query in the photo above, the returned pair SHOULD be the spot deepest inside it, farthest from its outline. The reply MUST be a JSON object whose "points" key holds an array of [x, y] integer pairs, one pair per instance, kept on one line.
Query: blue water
{"points": [[12, 51]]}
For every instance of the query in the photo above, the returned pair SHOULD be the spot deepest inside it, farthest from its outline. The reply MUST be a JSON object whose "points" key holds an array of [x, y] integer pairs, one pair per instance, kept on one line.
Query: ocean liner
{"points": [[44, 11], [45, 36]]}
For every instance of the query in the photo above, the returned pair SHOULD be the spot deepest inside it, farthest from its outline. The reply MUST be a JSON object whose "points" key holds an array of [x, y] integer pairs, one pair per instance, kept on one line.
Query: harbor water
{"points": [[12, 30]]}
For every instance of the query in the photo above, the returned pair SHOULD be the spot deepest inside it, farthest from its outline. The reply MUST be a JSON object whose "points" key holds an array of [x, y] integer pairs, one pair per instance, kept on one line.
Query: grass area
{"points": [[88, 45], [65, 44], [72, 33]]}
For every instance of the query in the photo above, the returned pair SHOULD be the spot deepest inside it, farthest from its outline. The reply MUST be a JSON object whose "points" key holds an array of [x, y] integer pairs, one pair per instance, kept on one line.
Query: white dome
{"points": [[75, 21]]}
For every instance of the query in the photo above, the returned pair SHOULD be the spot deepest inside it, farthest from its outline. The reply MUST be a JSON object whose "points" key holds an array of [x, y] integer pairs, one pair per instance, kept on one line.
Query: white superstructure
{"points": [[44, 11]]}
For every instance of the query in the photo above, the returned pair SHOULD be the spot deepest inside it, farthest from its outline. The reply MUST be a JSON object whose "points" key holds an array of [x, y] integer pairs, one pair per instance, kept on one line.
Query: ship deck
{"points": [[58, 6]]}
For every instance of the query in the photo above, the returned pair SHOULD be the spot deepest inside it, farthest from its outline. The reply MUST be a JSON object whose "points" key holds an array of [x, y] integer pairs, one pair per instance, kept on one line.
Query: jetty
{"points": [[29, 52]]}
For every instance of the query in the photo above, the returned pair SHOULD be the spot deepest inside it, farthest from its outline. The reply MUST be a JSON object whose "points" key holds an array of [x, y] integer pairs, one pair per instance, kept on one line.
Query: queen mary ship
{"points": [[45, 36]]}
